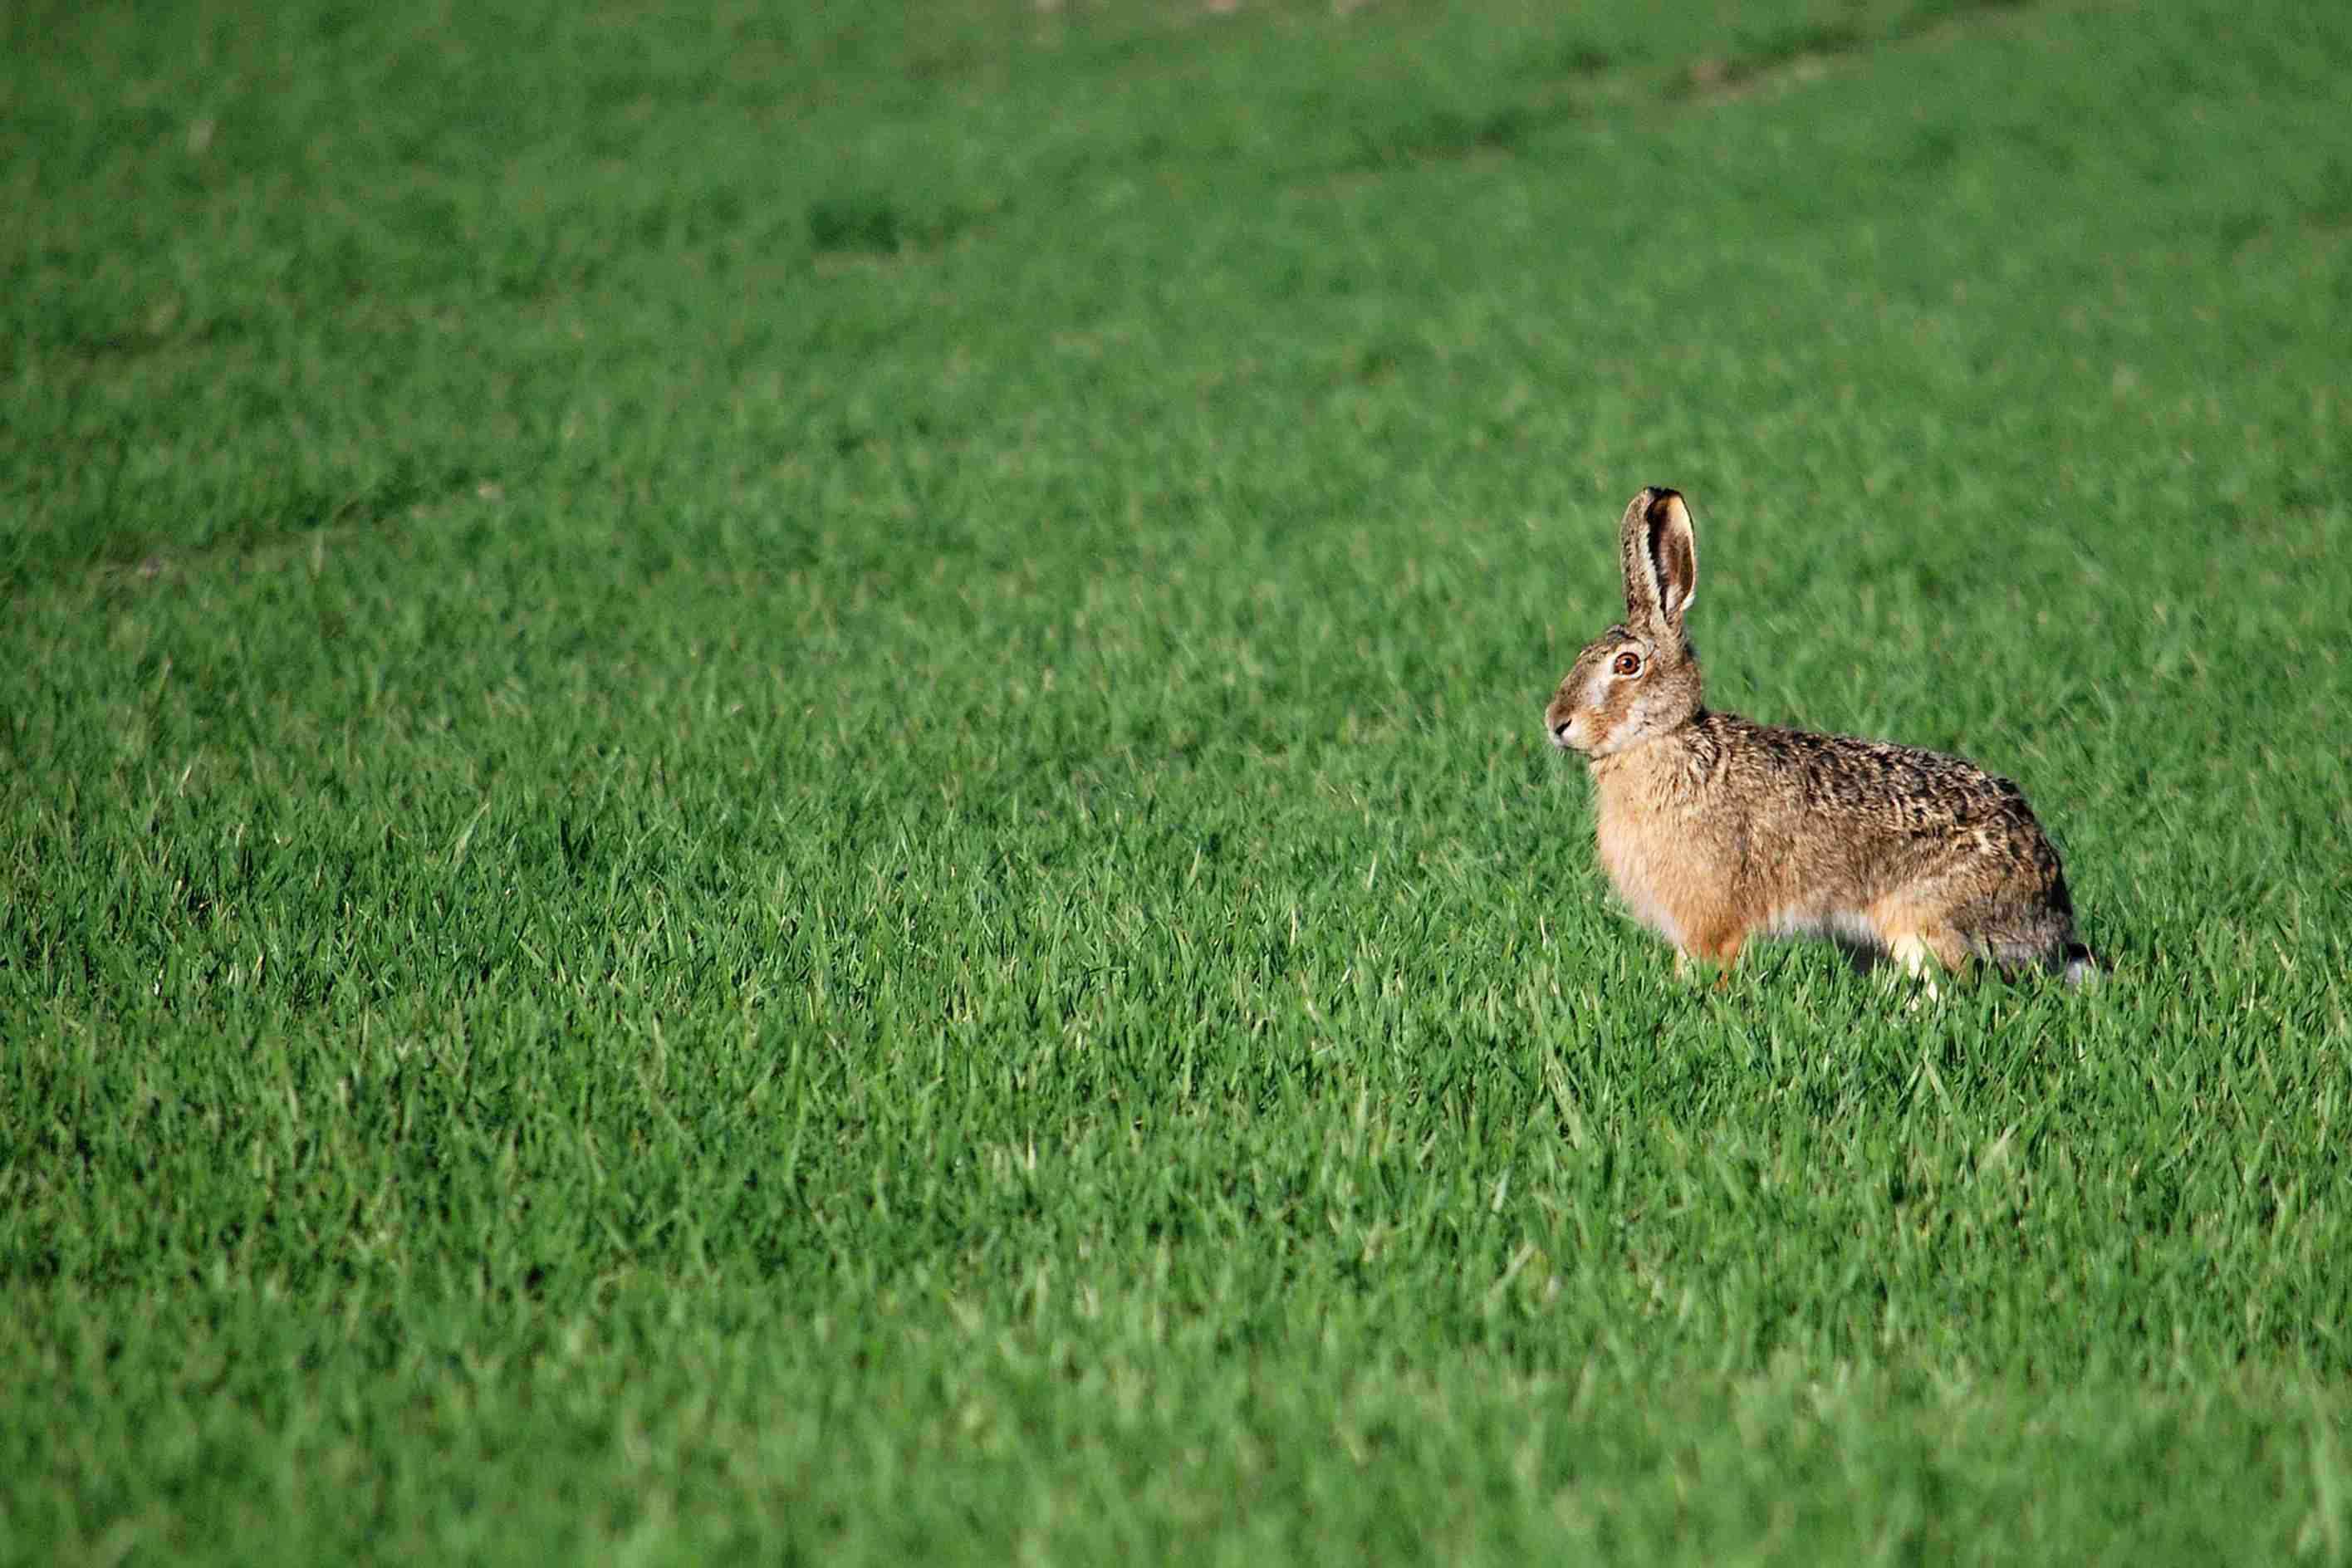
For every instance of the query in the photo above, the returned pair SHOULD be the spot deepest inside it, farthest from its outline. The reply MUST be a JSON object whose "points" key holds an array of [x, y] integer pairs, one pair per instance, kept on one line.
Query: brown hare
{"points": [[1717, 830]]}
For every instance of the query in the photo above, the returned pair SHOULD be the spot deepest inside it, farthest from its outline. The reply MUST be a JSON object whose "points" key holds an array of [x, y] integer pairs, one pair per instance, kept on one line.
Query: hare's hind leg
{"points": [[1920, 960], [1922, 941]]}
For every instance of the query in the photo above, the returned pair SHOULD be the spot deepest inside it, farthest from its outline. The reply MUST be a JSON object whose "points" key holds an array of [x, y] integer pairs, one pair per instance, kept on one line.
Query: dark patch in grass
{"points": [[1386, 357], [1802, 54], [1447, 135], [120, 562], [857, 226], [1714, 78], [92, 344], [1443, 135]]}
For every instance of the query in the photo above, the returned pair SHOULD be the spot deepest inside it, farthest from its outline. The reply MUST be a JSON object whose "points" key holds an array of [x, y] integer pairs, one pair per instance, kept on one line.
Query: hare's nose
{"points": [[1560, 733]]}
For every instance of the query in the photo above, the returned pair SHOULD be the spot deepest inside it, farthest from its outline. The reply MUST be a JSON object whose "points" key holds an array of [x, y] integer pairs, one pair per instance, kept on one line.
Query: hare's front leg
{"points": [[1717, 946]]}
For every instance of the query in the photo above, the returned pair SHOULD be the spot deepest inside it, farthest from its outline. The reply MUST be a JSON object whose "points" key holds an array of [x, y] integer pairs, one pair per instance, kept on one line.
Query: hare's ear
{"points": [[1661, 562]]}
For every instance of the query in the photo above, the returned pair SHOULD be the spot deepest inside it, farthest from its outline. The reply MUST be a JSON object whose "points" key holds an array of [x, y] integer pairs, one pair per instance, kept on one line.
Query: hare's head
{"points": [[1638, 680]]}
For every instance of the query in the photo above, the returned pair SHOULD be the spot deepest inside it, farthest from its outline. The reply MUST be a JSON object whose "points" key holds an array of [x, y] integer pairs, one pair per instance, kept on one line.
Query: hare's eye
{"points": [[1627, 663]]}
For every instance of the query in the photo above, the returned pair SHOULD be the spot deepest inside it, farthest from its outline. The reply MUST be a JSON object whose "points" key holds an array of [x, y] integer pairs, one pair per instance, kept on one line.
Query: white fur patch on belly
{"points": [[1850, 926]]}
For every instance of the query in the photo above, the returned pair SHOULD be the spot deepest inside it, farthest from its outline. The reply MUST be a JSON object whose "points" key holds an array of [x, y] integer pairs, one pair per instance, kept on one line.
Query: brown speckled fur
{"points": [[1717, 830]]}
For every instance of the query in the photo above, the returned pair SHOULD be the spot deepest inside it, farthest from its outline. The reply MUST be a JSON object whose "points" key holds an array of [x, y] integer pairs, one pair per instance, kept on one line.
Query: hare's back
{"points": [[1872, 796]]}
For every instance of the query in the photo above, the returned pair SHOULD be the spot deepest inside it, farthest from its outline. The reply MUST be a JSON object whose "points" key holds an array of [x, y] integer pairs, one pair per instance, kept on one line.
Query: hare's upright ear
{"points": [[1661, 563]]}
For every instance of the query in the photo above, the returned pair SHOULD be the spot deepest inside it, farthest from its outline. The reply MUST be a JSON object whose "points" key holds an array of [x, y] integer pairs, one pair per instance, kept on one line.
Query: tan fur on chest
{"points": [[1673, 882]]}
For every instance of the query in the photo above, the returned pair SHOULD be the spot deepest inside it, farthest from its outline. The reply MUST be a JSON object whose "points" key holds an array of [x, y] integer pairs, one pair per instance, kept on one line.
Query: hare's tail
{"points": [[2081, 967]]}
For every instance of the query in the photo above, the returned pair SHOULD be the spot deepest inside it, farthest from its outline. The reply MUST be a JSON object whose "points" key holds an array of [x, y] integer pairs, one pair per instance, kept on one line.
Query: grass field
{"points": [[771, 783]]}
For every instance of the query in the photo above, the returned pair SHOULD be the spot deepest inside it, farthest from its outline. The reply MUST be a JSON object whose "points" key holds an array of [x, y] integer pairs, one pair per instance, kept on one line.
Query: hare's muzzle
{"points": [[1559, 715]]}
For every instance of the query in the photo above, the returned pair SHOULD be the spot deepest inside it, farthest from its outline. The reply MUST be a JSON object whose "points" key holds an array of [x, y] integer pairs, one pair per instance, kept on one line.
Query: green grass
{"points": [[770, 783]]}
